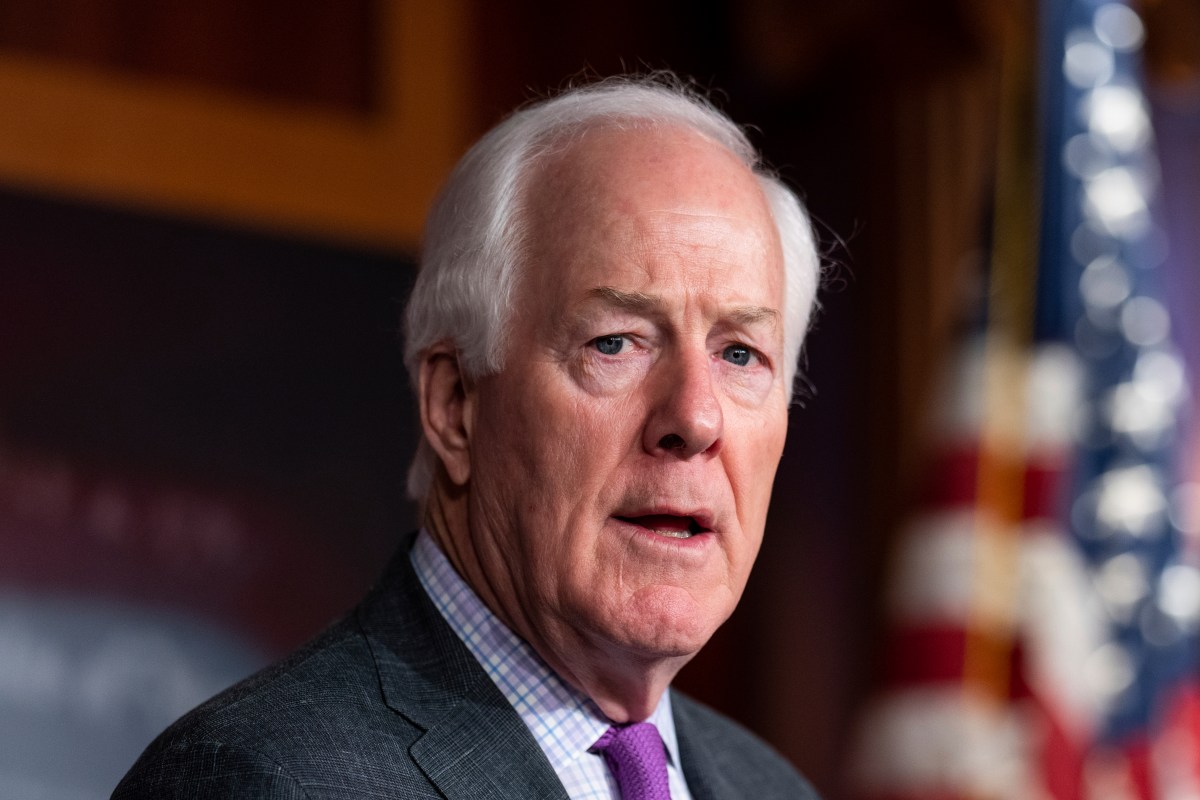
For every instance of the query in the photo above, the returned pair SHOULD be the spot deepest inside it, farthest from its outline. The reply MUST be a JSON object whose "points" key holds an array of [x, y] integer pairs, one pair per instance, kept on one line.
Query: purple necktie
{"points": [[637, 759]]}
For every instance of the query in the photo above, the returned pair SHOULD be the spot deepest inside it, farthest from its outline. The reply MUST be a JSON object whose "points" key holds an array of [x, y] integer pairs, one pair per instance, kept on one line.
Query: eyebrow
{"points": [[646, 304]]}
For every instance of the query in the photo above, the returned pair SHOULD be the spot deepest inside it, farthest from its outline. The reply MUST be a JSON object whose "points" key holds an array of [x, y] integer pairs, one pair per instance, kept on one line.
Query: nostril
{"points": [[672, 441]]}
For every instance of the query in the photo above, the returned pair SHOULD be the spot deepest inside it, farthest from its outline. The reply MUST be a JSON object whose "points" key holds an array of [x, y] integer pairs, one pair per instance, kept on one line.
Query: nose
{"points": [[685, 417]]}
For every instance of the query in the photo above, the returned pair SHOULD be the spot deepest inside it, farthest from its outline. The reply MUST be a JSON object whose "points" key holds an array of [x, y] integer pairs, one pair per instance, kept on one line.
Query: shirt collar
{"points": [[564, 721]]}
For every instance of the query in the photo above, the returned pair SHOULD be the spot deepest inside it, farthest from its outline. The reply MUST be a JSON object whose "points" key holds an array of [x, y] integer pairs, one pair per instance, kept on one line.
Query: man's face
{"points": [[621, 462]]}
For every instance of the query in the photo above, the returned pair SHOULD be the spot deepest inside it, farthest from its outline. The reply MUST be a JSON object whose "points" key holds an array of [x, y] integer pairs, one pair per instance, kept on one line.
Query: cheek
{"points": [[561, 447], [748, 387], [602, 377], [753, 466]]}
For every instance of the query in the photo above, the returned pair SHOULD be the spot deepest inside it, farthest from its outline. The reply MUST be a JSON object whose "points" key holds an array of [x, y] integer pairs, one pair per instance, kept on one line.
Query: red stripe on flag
{"points": [[1138, 753], [1060, 752], [952, 477], [1043, 488], [924, 655], [954, 481]]}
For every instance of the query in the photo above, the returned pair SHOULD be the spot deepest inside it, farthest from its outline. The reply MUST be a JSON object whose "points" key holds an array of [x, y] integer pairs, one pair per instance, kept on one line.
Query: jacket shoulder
{"points": [[719, 752], [176, 768], [271, 734]]}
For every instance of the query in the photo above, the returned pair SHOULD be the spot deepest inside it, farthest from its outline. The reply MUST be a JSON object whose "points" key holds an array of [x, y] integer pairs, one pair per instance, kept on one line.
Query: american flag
{"points": [[1045, 602]]}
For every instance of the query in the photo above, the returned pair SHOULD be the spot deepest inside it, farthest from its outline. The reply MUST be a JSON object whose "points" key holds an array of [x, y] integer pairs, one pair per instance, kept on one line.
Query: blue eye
{"points": [[609, 345], [737, 354]]}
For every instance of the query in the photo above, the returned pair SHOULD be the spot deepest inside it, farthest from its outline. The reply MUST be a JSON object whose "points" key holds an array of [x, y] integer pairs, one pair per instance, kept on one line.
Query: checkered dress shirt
{"points": [[564, 722]]}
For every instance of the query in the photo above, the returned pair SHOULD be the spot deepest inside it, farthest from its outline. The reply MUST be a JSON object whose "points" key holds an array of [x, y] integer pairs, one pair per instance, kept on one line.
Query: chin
{"points": [[668, 626]]}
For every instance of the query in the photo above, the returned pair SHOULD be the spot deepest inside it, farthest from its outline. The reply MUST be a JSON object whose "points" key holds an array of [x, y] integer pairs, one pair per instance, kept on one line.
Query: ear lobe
{"points": [[445, 410]]}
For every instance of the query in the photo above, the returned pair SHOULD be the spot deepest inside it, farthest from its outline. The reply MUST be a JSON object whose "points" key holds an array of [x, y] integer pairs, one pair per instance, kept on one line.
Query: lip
{"points": [[656, 520]]}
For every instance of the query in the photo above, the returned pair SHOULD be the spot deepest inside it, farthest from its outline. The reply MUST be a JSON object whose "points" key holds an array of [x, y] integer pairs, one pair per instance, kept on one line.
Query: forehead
{"points": [[647, 207]]}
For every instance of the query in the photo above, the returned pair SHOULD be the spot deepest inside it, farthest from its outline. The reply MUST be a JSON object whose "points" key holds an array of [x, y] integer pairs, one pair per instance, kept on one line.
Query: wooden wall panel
{"points": [[306, 51], [200, 148]]}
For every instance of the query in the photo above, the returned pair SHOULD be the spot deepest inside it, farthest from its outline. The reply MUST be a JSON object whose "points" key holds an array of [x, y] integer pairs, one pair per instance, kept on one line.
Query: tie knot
{"points": [[637, 760]]}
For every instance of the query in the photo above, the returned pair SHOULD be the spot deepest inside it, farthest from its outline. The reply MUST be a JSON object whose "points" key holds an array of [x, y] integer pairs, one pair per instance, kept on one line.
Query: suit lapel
{"points": [[475, 744], [482, 749], [700, 756]]}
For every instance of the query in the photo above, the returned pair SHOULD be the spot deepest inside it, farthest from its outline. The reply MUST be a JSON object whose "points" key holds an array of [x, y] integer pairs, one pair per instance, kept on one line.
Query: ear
{"points": [[446, 410]]}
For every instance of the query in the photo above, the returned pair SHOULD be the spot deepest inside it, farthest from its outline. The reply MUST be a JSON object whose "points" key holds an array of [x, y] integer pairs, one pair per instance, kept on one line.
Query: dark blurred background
{"points": [[209, 215]]}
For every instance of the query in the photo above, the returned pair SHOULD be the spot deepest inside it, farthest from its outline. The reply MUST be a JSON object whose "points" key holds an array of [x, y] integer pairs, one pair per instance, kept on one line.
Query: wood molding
{"points": [[196, 151]]}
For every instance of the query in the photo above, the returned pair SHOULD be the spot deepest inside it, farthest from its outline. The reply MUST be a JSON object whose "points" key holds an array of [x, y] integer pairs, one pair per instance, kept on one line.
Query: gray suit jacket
{"points": [[388, 703]]}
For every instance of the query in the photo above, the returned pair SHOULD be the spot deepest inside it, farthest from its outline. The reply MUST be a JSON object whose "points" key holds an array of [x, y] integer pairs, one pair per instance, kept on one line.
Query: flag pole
{"points": [[1011, 296]]}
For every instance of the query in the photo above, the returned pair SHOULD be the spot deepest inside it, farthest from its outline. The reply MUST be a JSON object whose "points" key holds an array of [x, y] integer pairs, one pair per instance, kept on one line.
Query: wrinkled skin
{"points": [[606, 492]]}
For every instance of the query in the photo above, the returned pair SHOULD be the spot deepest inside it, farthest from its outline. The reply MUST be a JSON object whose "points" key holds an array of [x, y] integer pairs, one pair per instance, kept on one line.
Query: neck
{"points": [[627, 689], [626, 686]]}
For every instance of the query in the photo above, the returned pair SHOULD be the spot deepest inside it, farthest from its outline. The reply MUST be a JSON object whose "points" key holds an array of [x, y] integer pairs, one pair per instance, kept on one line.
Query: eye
{"points": [[737, 354], [610, 344]]}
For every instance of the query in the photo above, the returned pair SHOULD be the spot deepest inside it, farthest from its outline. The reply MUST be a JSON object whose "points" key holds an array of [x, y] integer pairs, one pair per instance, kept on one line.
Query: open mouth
{"points": [[669, 525]]}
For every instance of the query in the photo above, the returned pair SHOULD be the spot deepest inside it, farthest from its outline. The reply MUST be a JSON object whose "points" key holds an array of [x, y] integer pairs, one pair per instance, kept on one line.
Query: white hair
{"points": [[476, 231]]}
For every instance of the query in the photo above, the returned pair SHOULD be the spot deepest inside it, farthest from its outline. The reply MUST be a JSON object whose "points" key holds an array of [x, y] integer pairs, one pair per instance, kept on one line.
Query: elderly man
{"points": [[603, 338]]}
